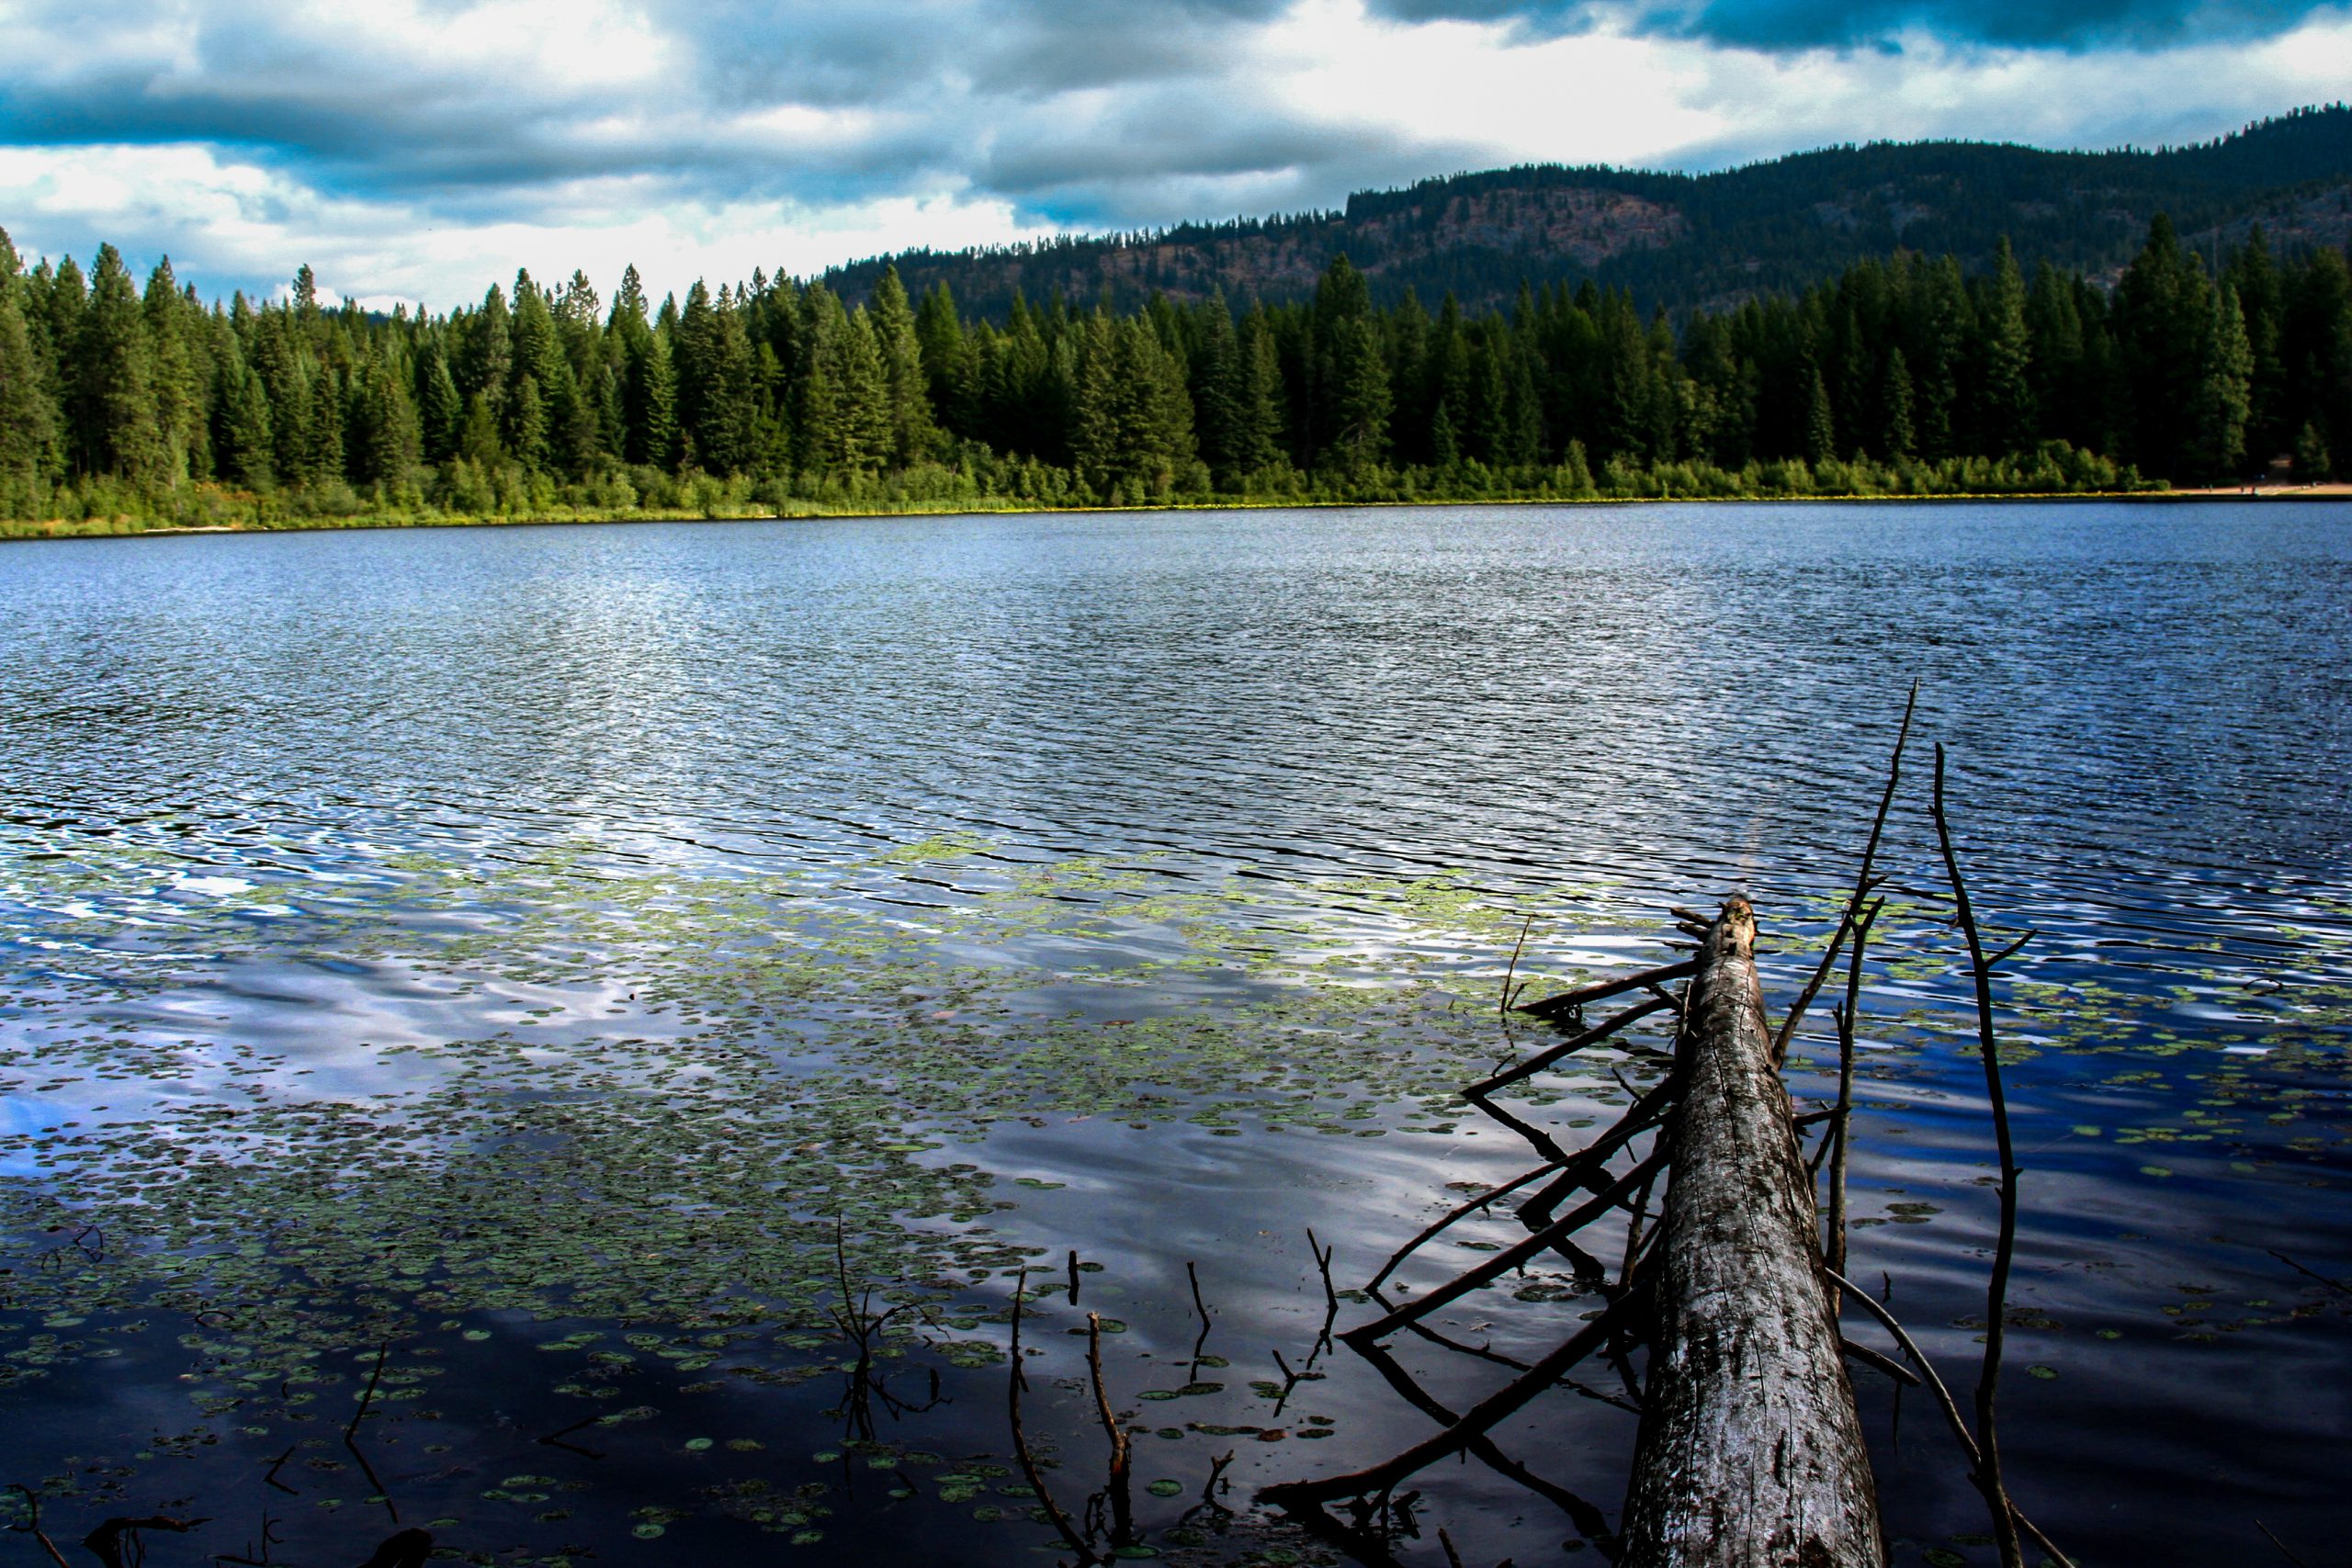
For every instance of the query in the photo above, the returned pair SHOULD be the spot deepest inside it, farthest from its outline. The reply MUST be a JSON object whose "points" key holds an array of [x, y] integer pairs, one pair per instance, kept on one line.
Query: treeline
{"points": [[1902, 376]]}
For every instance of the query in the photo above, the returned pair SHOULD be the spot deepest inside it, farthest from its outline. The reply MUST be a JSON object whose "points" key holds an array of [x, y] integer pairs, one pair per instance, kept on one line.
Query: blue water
{"points": [[286, 820]]}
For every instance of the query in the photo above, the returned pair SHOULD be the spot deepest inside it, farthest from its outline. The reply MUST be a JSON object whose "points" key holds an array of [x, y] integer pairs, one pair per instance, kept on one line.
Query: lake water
{"points": [[476, 976]]}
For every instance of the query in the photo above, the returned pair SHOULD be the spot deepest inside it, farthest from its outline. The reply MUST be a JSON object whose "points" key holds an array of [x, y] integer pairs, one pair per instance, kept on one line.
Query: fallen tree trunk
{"points": [[1750, 1452]]}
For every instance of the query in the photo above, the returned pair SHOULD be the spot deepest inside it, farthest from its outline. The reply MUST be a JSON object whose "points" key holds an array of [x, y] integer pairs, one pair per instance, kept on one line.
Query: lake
{"points": [[555, 991]]}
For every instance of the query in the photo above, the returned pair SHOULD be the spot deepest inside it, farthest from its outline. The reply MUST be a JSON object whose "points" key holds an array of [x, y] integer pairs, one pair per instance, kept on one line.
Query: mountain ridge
{"points": [[1682, 240]]}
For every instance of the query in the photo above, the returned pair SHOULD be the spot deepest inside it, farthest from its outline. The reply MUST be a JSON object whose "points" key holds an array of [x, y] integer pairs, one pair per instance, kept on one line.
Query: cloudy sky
{"points": [[417, 149]]}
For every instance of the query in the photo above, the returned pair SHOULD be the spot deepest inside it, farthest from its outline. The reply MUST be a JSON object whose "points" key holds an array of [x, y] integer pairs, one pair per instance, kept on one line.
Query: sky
{"points": [[417, 150]]}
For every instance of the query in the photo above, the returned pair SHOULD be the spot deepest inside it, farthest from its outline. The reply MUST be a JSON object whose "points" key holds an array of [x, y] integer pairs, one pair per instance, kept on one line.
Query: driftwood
{"points": [[1750, 1451]]}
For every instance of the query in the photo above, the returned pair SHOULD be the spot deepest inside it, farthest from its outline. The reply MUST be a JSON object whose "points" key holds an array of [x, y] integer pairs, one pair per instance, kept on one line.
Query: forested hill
{"points": [[1711, 240]]}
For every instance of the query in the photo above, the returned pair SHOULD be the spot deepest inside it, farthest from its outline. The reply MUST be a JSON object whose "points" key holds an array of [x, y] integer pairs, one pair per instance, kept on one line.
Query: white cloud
{"points": [[228, 223]]}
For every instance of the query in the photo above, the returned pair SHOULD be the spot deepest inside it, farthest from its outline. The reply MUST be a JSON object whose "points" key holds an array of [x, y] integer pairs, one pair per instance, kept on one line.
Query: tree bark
{"points": [[1751, 1452]]}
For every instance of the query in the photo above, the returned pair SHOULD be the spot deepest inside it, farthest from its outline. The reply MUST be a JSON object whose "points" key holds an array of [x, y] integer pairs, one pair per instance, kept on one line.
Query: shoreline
{"points": [[16, 531]]}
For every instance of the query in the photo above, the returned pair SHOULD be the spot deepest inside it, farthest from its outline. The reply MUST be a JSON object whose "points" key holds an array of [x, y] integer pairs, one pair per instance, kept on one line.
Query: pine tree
{"points": [[1094, 418], [717, 420], [1216, 407], [1257, 438], [648, 381], [863, 433], [322, 440], [2317, 335], [1445, 451], [477, 439], [914, 434], [58, 338], [949, 364], [1523, 414], [1820, 424], [527, 423], [488, 358], [179, 402], [440, 410], [1408, 337], [246, 449], [1898, 437], [2054, 365], [1154, 420], [120, 434], [2006, 418], [2311, 464], [27, 411], [1360, 398], [573, 438], [2224, 393], [1485, 424], [2262, 300], [1342, 302], [386, 444], [2162, 308], [1941, 327]]}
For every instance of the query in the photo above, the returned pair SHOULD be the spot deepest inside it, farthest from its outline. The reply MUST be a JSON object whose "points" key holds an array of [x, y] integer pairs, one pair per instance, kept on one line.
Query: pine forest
{"points": [[124, 406]]}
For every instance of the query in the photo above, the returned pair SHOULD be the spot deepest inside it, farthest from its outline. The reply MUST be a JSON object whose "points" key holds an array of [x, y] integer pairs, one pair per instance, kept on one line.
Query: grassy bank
{"points": [[464, 494]]}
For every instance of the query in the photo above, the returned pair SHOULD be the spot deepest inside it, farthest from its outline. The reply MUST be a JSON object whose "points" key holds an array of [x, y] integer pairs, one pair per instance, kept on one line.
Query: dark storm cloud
{"points": [[1846, 24], [450, 118]]}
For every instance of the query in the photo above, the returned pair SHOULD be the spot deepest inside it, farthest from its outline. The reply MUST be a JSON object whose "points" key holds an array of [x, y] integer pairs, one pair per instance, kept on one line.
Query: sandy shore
{"points": [[2267, 493]]}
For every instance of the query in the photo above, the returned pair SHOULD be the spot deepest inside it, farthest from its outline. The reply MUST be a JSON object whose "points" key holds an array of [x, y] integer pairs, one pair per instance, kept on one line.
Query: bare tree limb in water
{"points": [[1988, 1472], [1862, 888], [1021, 1439], [1944, 1401]]}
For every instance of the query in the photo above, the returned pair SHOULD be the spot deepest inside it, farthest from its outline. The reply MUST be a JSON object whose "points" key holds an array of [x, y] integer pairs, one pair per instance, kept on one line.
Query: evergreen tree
{"points": [[846, 414], [1942, 321], [574, 445], [116, 372], [489, 350], [1216, 384], [2054, 362], [1259, 442], [2224, 394], [1155, 445], [440, 410], [1359, 396], [2311, 458], [718, 418], [387, 443], [914, 435], [1820, 424], [1094, 414], [649, 385], [58, 339], [1445, 451], [479, 442], [2162, 311], [1523, 413], [1897, 436], [27, 411], [527, 423], [179, 402], [2262, 301], [2006, 420], [322, 440], [1342, 305], [949, 364], [248, 450], [2317, 352]]}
